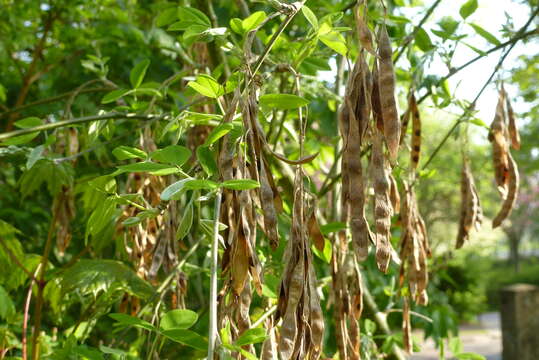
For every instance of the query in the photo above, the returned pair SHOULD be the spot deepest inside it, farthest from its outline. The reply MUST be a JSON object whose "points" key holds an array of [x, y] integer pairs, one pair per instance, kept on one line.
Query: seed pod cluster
{"points": [[414, 248], [503, 133], [354, 122], [299, 308], [471, 214]]}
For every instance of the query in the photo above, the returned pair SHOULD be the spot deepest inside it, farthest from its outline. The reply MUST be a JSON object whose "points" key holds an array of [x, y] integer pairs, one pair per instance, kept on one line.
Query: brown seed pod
{"points": [[394, 195], [386, 85], [500, 147], [509, 202], [268, 208], [382, 206], [363, 32], [512, 126], [471, 212], [416, 133]]}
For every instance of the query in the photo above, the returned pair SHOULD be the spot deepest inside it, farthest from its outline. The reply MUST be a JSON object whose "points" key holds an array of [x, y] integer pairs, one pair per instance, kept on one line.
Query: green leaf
{"points": [[218, 132], [34, 156], [173, 191], [251, 336], [310, 16], [7, 308], [167, 17], [283, 101], [448, 26], [131, 221], [479, 51], [329, 228], [173, 154], [240, 184], [455, 345], [468, 8], [187, 337], [479, 122], [113, 96], [207, 86], [91, 277], [247, 354], [186, 222], [21, 139], [469, 356], [193, 15], [113, 351], [253, 21], [332, 39], [137, 73], [128, 320], [127, 152], [207, 160], [485, 34], [144, 166], [325, 254], [178, 319], [28, 122], [237, 26], [422, 40]]}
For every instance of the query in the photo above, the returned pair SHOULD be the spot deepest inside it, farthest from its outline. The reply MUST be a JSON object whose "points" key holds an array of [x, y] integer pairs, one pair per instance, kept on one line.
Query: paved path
{"points": [[484, 338]]}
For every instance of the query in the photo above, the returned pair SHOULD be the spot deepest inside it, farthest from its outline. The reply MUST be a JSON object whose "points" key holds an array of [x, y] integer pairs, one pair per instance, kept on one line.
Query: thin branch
{"points": [[212, 336], [81, 120], [275, 36], [472, 104], [410, 37], [426, 318], [26, 313], [513, 40], [53, 99]]}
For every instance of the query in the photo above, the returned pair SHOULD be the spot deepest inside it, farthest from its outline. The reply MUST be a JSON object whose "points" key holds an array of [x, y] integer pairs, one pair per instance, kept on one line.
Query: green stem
{"points": [[212, 336], [81, 120]]}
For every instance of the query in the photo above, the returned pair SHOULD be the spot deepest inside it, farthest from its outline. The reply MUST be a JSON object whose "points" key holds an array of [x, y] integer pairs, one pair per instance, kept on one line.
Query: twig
{"points": [[26, 313], [426, 318], [41, 286], [410, 37], [212, 336], [264, 316], [53, 99], [84, 119], [275, 36]]}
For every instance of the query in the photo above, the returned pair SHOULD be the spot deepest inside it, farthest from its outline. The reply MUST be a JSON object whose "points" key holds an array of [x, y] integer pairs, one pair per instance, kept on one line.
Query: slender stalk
{"points": [[84, 119], [41, 286], [26, 314], [212, 336], [410, 37], [53, 99]]}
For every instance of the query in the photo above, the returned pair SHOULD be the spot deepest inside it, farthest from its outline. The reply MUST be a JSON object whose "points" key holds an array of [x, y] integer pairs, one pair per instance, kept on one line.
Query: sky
{"points": [[491, 16]]}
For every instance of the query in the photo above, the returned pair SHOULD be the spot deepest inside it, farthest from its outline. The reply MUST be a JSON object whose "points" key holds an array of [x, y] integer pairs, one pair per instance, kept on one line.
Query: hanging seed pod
{"points": [[382, 206], [268, 207], [363, 32], [394, 195], [386, 85], [470, 216], [416, 133], [510, 200], [500, 148], [513, 130]]}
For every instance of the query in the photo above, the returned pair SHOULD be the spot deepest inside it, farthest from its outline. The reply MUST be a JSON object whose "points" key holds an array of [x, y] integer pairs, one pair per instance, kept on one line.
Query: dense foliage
{"points": [[170, 170]]}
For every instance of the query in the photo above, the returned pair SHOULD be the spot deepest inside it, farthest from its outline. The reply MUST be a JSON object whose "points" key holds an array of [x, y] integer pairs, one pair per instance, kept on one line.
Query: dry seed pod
{"points": [[268, 208], [500, 147], [386, 84], [363, 32], [394, 196], [382, 205], [509, 202], [375, 96], [315, 233], [471, 212], [513, 130], [416, 133]]}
